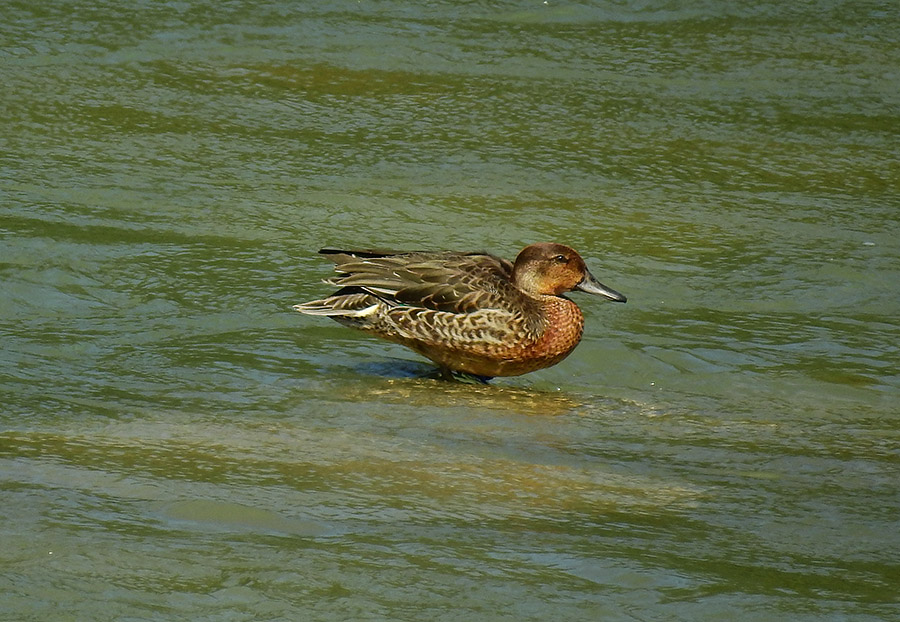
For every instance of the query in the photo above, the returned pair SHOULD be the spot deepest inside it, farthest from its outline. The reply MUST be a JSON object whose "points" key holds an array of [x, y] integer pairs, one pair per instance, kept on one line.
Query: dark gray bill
{"points": [[592, 286]]}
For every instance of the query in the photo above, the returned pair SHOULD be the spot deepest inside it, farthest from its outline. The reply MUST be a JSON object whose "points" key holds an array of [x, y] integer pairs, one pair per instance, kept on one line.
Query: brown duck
{"points": [[473, 313]]}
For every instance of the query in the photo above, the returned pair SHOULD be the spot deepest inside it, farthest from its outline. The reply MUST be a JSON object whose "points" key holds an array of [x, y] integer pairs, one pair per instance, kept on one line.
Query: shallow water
{"points": [[175, 442]]}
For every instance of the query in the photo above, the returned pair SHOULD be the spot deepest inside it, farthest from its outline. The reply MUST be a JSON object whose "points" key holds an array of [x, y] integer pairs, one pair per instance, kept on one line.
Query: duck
{"points": [[471, 313]]}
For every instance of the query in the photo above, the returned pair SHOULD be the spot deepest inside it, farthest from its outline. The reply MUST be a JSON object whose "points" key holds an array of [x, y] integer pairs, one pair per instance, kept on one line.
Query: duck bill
{"points": [[592, 286]]}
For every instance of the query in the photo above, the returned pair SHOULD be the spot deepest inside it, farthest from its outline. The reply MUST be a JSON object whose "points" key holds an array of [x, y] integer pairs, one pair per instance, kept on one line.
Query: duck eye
{"points": [[560, 258]]}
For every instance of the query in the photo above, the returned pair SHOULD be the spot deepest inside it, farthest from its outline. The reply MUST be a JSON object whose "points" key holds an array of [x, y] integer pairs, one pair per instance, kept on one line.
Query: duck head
{"points": [[553, 269]]}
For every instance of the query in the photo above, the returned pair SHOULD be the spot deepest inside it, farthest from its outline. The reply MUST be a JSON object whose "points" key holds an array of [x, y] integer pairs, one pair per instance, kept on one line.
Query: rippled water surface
{"points": [[176, 443]]}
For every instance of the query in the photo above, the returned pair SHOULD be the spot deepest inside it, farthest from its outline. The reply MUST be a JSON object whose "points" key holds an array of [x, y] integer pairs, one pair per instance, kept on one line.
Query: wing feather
{"points": [[445, 281]]}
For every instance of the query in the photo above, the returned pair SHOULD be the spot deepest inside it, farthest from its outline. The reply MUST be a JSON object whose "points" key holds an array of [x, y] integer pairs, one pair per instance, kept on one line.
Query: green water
{"points": [[176, 443]]}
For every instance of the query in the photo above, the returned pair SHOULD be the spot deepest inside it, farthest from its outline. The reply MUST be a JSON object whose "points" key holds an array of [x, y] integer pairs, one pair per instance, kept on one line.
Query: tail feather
{"points": [[348, 305]]}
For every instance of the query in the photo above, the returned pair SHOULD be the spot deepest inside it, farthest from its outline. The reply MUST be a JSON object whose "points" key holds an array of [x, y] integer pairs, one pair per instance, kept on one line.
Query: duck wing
{"points": [[445, 281]]}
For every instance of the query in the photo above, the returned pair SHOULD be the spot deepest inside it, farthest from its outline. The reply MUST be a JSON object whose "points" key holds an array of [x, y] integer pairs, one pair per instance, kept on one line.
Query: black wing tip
{"points": [[369, 253], [372, 252], [364, 253]]}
